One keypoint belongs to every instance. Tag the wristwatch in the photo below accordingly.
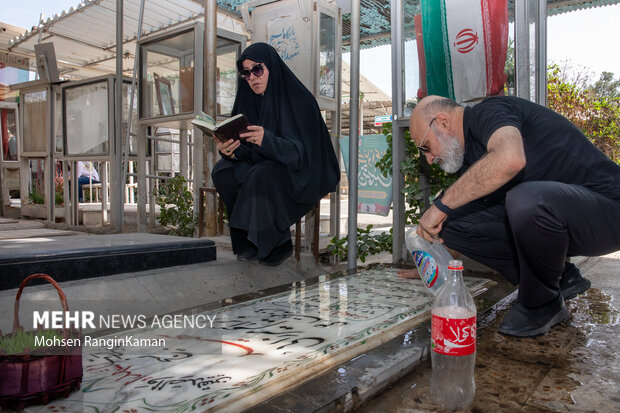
(440, 205)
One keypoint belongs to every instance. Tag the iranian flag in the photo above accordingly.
(465, 43)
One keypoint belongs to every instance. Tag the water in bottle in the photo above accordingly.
(431, 260)
(453, 343)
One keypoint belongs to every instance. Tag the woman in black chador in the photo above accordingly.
(281, 167)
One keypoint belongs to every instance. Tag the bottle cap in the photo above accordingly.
(455, 265)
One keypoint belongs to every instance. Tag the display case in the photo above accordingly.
(36, 147)
(88, 116)
(167, 73)
(41, 115)
(294, 27)
(9, 162)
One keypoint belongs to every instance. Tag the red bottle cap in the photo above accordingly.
(455, 265)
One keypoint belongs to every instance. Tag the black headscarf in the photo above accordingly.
(290, 111)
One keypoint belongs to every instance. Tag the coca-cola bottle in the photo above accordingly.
(453, 343)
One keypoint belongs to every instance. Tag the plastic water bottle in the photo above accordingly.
(453, 343)
(431, 260)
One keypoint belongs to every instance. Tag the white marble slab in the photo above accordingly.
(267, 346)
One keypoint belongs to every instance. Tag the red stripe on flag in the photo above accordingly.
(417, 21)
(495, 26)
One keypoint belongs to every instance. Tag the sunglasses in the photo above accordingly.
(421, 147)
(257, 71)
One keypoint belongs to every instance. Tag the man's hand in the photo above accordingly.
(430, 224)
(504, 159)
(254, 135)
(410, 274)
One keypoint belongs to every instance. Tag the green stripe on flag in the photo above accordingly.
(436, 48)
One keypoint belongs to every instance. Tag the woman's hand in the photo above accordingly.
(228, 147)
(254, 135)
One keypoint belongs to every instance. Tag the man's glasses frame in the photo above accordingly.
(257, 70)
(421, 147)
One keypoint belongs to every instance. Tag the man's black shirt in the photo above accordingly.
(555, 149)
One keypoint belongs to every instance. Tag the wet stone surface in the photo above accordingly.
(573, 368)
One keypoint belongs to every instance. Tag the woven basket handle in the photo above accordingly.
(63, 299)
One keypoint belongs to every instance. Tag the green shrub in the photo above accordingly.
(412, 167)
(176, 205)
(36, 197)
(367, 244)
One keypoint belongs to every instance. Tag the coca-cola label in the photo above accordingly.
(453, 336)
(427, 268)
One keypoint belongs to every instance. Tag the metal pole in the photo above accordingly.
(142, 183)
(336, 124)
(49, 186)
(210, 108)
(353, 135)
(116, 190)
(398, 142)
(130, 107)
(522, 49)
(541, 53)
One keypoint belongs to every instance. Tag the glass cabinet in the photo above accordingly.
(167, 75)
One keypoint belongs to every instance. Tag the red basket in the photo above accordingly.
(37, 377)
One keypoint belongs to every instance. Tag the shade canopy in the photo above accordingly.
(84, 36)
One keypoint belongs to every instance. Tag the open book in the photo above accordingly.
(228, 129)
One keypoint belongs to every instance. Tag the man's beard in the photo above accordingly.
(451, 158)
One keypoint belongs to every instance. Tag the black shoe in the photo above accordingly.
(521, 321)
(573, 283)
(278, 255)
(249, 254)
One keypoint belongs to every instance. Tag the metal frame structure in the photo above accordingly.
(106, 159)
(177, 121)
(45, 154)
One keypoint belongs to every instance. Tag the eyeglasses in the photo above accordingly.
(257, 71)
(421, 147)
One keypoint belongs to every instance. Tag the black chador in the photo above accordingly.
(268, 188)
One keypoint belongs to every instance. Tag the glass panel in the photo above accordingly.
(58, 120)
(86, 115)
(412, 76)
(35, 121)
(13, 69)
(9, 135)
(227, 54)
(133, 142)
(167, 151)
(36, 185)
(168, 75)
(164, 162)
(411, 58)
(327, 78)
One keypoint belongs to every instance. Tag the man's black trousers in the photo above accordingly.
(528, 238)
